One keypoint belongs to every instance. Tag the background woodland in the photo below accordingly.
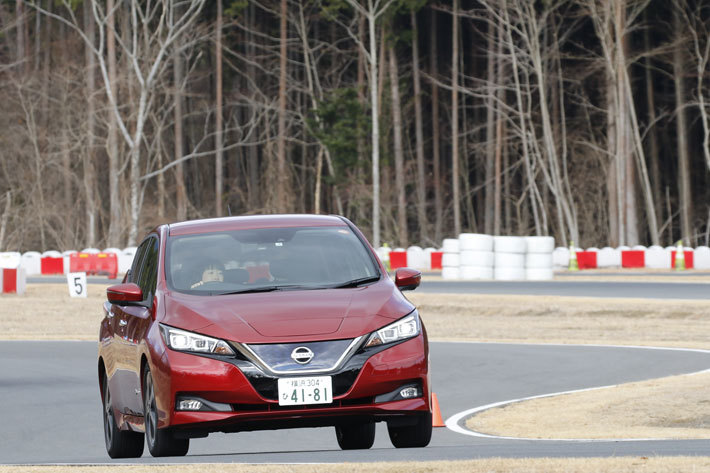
(580, 119)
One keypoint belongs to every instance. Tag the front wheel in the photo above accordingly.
(355, 436)
(119, 443)
(161, 442)
(409, 436)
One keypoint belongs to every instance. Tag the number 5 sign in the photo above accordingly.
(77, 284)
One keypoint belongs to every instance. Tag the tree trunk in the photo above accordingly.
(20, 31)
(374, 108)
(419, 134)
(455, 119)
(398, 150)
(500, 93)
(179, 147)
(5, 218)
(89, 155)
(115, 224)
(684, 194)
(653, 153)
(436, 158)
(219, 151)
(281, 193)
(491, 127)
(252, 151)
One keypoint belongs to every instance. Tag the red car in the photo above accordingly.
(263, 322)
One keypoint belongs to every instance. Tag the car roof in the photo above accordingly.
(254, 221)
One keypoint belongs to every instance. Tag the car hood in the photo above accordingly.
(290, 315)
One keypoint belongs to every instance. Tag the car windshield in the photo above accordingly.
(268, 259)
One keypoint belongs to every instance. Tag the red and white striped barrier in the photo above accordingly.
(13, 280)
(12, 276)
(654, 257)
(428, 259)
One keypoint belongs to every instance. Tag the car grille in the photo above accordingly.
(277, 357)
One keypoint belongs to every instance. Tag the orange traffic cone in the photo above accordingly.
(436, 420)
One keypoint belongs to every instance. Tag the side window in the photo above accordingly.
(149, 269)
(136, 265)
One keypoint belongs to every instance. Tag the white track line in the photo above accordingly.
(454, 422)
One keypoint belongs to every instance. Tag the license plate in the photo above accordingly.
(303, 391)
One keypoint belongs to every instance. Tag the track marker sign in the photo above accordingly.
(77, 284)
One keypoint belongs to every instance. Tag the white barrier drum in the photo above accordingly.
(608, 258)
(450, 260)
(475, 272)
(538, 261)
(91, 251)
(66, 255)
(450, 272)
(32, 263)
(509, 260)
(701, 257)
(657, 258)
(476, 258)
(509, 274)
(383, 253)
(451, 245)
(10, 259)
(417, 258)
(125, 263)
(475, 242)
(560, 257)
(509, 244)
(540, 244)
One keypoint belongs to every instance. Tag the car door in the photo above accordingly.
(121, 364)
(137, 321)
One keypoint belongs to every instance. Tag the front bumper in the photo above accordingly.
(251, 396)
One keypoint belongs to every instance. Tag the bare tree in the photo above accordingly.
(398, 149)
(372, 11)
(219, 145)
(456, 193)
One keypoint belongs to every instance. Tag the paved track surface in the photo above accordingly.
(614, 289)
(51, 411)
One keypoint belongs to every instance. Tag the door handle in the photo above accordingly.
(122, 323)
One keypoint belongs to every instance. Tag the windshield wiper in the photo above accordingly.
(356, 282)
(259, 289)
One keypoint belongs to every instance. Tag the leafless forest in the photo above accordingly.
(581, 119)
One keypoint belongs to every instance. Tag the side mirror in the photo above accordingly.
(126, 294)
(407, 279)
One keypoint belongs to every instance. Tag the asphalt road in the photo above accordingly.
(613, 289)
(51, 412)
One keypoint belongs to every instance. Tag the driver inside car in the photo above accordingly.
(213, 272)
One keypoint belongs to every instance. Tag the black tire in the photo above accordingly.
(119, 443)
(161, 442)
(359, 436)
(409, 436)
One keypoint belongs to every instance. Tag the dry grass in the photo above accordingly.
(46, 312)
(492, 465)
(676, 407)
(553, 319)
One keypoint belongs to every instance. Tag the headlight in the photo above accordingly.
(402, 329)
(181, 340)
